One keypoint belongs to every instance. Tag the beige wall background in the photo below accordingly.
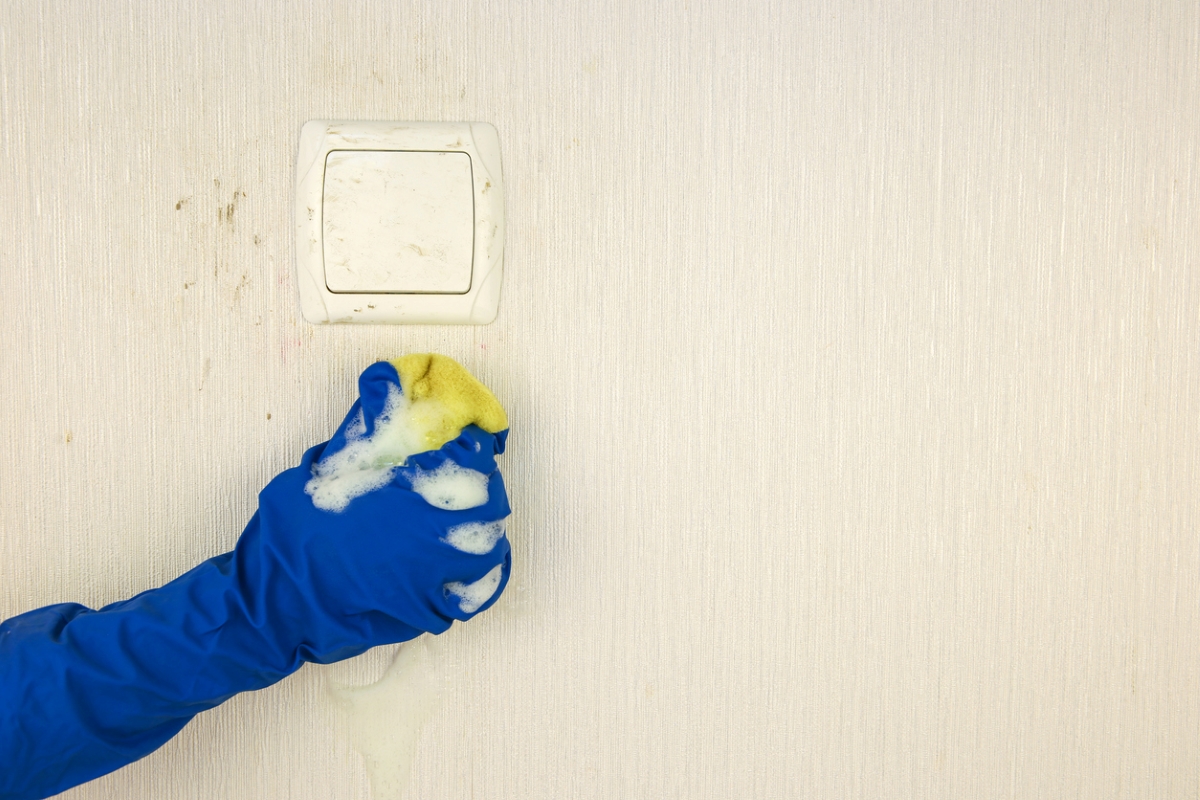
(851, 352)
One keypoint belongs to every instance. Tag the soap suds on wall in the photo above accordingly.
(384, 720)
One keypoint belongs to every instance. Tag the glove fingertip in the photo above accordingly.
(374, 386)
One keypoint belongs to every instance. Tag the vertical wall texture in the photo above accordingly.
(851, 353)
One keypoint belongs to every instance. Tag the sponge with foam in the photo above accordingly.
(466, 401)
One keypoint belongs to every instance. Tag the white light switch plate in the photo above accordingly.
(399, 222)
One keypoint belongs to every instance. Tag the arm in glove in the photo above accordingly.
(84, 692)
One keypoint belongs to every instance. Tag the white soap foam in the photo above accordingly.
(367, 463)
(385, 719)
(472, 596)
(475, 537)
(451, 487)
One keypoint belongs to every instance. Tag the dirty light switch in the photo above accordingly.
(397, 221)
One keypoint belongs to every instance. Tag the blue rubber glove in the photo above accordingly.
(85, 692)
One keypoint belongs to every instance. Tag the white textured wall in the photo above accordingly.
(852, 353)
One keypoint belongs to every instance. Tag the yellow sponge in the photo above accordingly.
(464, 400)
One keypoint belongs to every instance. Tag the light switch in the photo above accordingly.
(399, 222)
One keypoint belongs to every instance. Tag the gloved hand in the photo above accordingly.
(84, 692)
